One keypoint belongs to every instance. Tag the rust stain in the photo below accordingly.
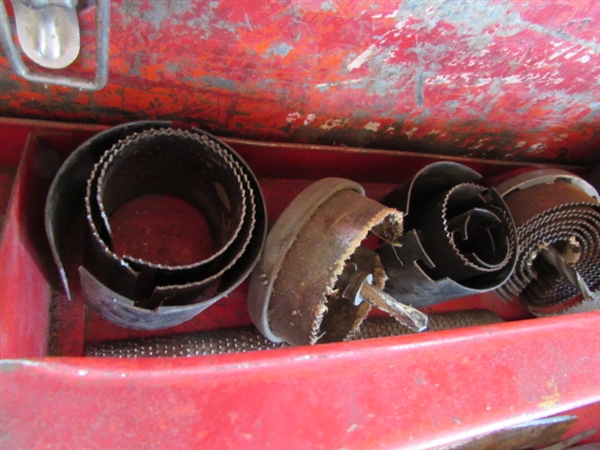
(490, 79)
(550, 400)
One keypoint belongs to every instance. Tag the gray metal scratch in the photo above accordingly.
(419, 89)
(248, 22)
(594, 46)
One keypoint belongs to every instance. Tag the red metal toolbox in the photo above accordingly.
(302, 91)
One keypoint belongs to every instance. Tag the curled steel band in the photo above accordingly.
(557, 215)
(141, 158)
(459, 237)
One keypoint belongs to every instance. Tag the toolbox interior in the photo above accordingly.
(68, 326)
(369, 91)
(40, 324)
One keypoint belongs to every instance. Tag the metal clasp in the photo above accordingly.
(48, 32)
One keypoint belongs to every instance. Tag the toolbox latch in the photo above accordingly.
(48, 33)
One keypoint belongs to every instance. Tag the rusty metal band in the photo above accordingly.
(241, 340)
(459, 237)
(554, 210)
(292, 289)
(150, 158)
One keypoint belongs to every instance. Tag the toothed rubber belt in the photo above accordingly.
(141, 158)
(553, 208)
(290, 297)
(249, 339)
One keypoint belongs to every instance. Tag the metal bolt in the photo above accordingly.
(360, 289)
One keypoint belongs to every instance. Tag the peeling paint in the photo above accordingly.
(560, 53)
(159, 12)
(173, 67)
(248, 23)
(333, 123)
(325, 86)
(292, 117)
(10, 365)
(282, 50)
(584, 59)
(372, 126)
(328, 6)
(410, 133)
(520, 73)
(220, 82)
(309, 119)
(419, 94)
(550, 400)
(536, 148)
(361, 59)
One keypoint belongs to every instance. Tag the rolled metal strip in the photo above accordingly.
(459, 237)
(293, 289)
(65, 200)
(557, 215)
(241, 340)
(180, 164)
(191, 165)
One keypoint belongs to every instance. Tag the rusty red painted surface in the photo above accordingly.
(496, 79)
(420, 392)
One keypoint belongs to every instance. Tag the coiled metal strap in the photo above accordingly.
(150, 158)
(242, 340)
(558, 224)
(459, 237)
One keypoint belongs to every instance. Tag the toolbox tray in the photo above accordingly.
(419, 390)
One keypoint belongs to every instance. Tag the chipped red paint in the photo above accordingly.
(495, 79)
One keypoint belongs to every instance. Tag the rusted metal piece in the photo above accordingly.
(569, 443)
(557, 215)
(541, 432)
(190, 165)
(240, 340)
(360, 289)
(294, 293)
(459, 238)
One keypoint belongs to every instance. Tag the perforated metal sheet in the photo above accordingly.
(249, 339)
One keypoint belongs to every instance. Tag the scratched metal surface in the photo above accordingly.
(494, 79)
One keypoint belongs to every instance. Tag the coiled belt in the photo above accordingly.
(150, 158)
(557, 215)
(459, 237)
